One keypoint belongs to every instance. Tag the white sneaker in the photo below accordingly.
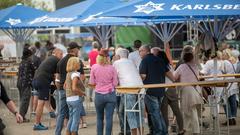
(84, 125)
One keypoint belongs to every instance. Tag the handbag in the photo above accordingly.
(206, 91)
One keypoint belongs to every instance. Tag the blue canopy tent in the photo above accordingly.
(102, 28)
(197, 9)
(82, 14)
(225, 14)
(175, 8)
(10, 17)
(77, 12)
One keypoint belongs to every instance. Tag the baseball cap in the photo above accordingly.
(73, 45)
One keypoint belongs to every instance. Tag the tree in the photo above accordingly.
(9, 3)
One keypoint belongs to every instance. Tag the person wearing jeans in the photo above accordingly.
(128, 75)
(74, 95)
(62, 111)
(154, 104)
(232, 110)
(105, 102)
(229, 67)
(73, 50)
(153, 71)
(104, 77)
(120, 112)
(74, 115)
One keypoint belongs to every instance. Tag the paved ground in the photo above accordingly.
(26, 128)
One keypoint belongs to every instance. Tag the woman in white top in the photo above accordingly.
(210, 69)
(74, 94)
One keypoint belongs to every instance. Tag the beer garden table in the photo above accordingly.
(140, 91)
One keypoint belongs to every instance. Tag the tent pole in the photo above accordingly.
(90, 30)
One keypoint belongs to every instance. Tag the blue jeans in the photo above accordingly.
(105, 102)
(62, 111)
(74, 115)
(153, 105)
(56, 97)
(82, 111)
(120, 112)
(232, 107)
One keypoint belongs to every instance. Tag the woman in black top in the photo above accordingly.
(25, 77)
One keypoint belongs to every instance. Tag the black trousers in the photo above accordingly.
(25, 96)
(2, 127)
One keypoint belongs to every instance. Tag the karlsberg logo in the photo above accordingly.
(51, 19)
(13, 21)
(151, 7)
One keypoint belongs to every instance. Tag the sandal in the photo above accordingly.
(182, 132)
(84, 125)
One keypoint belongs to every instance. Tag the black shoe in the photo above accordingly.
(121, 133)
(174, 128)
(230, 121)
(234, 122)
(205, 125)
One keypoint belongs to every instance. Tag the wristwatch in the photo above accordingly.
(15, 113)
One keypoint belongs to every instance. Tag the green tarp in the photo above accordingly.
(127, 35)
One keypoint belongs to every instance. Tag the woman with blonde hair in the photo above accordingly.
(74, 87)
(229, 67)
(104, 77)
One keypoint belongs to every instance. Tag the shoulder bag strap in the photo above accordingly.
(194, 86)
(192, 71)
(234, 70)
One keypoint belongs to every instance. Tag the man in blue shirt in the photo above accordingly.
(153, 70)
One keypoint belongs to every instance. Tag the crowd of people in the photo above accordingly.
(42, 68)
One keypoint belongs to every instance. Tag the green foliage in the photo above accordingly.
(9, 3)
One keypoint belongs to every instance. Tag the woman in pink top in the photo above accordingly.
(104, 77)
(190, 96)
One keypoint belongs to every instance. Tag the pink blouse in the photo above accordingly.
(104, 77)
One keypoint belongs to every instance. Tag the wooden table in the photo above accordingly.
(7, 61)
(10, 73)
(136, 90)
(3, 68)
(219, 76)
(212, 83)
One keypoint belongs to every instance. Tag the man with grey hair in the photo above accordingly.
(128, 76)
(153, 71)
(155, 50)
(42, 81)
